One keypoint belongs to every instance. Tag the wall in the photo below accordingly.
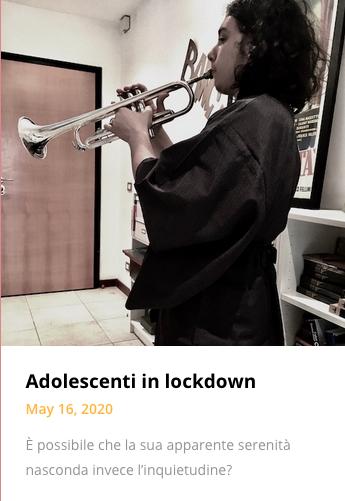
(48, 34)
(154, 50)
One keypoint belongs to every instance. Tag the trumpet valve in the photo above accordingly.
(140, 104)
(123, 95)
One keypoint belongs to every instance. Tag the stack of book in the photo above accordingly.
(323, 276)
(319, 332)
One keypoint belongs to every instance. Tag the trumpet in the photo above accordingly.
(35, 137)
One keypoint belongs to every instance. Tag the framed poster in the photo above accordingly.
(313, 124)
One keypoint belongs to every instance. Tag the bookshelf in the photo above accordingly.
(307, 231)
(312, 306)
(144, 336)
(326, 217)
(136, 256)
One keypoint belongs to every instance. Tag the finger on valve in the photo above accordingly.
(135, 90)
(126, 93)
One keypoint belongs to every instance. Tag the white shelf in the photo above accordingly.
(142, 333)
(312, 306)
(328, 217)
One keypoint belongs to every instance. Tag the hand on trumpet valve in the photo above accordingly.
(156, 104)
(129, 125)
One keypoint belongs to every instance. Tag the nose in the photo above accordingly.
(211, 56)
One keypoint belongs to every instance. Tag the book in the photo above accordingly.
(316, 280)
(315, 331)
(314, 295)
(330, 261)
(312, 331)
(335, 336)
(318, 328)
(310, 285)
(326, 273)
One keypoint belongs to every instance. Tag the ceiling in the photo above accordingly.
(106, 10)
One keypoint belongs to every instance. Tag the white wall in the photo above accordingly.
(43, 33)
(154, 50)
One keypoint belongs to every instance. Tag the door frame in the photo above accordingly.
(97, 70)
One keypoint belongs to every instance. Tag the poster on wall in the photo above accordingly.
(313, 124)
(195, 65)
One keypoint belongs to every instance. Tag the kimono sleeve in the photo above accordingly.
(202, 192)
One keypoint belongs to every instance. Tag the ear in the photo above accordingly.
(247, 46)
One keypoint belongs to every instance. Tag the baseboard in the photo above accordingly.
(123, 288)
(114, 282)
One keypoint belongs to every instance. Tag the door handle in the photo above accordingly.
(3, 187)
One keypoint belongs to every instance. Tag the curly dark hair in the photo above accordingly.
(285, 58)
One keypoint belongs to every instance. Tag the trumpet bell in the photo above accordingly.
(31, 139)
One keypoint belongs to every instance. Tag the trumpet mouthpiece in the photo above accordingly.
(206, 76)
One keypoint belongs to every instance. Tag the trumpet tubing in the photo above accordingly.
(35, 137)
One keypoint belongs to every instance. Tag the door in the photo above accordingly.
(48, 210)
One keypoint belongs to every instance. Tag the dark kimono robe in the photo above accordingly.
(212, 205)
